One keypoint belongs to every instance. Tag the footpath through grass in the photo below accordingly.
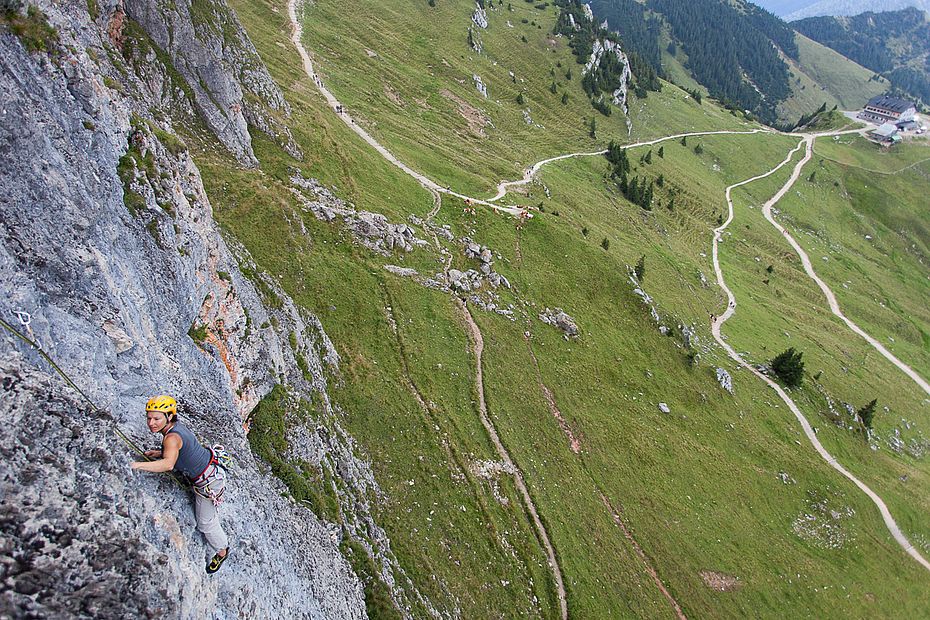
(724, 484)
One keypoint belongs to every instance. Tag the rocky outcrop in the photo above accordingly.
(562, 320)
(107, 241)
(725, 380)
(600, 48)
(373, 230)
(480, 86)
(220, 66)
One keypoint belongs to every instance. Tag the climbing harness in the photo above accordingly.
(220, 461)
(203, 489)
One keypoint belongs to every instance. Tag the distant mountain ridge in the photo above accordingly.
(845, 7)
(895, 44)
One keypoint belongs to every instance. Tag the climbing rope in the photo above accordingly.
(25, 319)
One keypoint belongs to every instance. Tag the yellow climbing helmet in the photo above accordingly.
(164, 404)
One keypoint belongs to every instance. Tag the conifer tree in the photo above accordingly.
(867, 413)
(789, 367)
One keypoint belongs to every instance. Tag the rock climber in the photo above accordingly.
(181, 452)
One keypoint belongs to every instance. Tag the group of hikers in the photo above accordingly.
(181, 452)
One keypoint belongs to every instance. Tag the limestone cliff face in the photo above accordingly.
(107, 241)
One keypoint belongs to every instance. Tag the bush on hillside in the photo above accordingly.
(789, 367)
(867, 413)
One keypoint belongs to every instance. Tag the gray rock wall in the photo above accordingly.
(112, 294)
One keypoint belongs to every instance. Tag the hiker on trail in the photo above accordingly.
(181, 452)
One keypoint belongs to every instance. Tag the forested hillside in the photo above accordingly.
(895, 44)
(733, 49)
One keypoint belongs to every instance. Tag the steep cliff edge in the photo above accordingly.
(107, 241)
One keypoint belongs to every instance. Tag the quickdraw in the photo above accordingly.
(221, 456)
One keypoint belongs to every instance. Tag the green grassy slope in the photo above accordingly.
(416, 94)
(821, 75)
(841, 77)
(699, 488)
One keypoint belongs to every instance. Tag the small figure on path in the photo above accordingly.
(181, 452)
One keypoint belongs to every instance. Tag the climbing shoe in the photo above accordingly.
(216, 562)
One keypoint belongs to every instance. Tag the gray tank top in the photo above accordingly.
(193, 458)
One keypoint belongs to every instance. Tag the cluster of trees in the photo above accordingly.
(638, 190)
(638, 29)
(788, 366)
(886, 43)
(725, 43)
(606, 76)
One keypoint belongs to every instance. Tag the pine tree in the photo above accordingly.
(564, 98)
(640, 268)
(698, 149)
(662, 152)
(605, 243)
(592, 128)
(648, 157)
(553, 88)
(647, 198)
(684, 140)
(867, 413)
(789, 367)
(521, 99)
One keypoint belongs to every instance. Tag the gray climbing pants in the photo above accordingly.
(207, 512)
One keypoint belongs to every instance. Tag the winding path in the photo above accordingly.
(297, 32)
(478, 343)
(530, 172)
(436, 190)
(809, 268)
(805, 143)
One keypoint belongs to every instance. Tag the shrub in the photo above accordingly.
(789, 367)
(32, 30)
(867, 413)
(640, 269)
(605, 243)
(198, 334)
